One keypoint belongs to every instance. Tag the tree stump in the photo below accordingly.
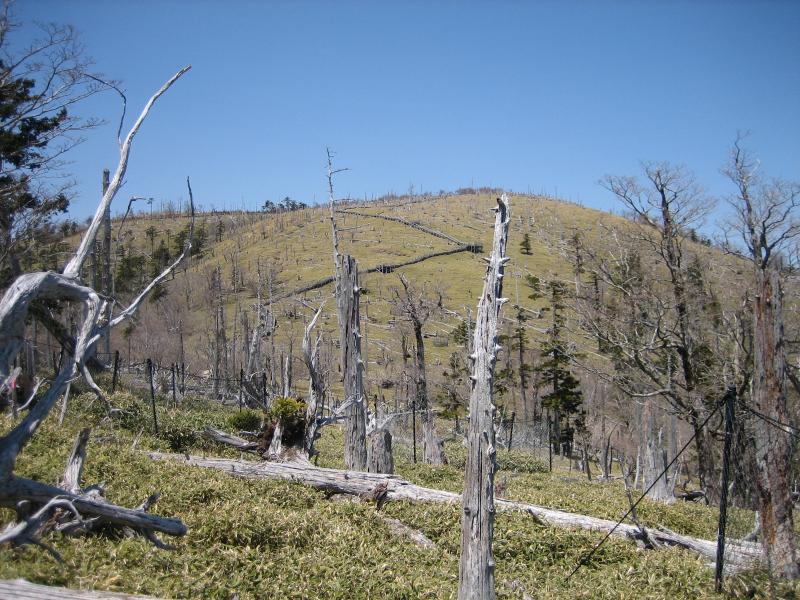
(379, 452)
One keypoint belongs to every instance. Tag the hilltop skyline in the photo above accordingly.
(544, 98)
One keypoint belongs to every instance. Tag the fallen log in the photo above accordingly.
(229, 439)
(738, 555)
(25, 590)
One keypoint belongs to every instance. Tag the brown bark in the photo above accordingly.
(772, 444)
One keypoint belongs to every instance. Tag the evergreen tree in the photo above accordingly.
(525, 245)
(565, 397)
(38, 83)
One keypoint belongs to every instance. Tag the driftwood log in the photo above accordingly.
(222, 437)
(354, 483)
(476, 569)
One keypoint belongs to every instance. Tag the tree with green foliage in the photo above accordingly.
(525, 244)
(130, 270)
(198, 240)
(565, 397)
(519, 343)
(38, 83)
(151, 233)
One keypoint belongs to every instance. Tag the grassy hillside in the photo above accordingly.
(296, 248)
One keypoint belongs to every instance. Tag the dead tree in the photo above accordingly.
(316, 385)
(379, 451)
(347, 304)
(654, 308)
(417, 308)
(768, 224)
(476, 569)
(334, 481)
(38, 499)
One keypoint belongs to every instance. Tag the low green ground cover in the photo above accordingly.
(265, 539)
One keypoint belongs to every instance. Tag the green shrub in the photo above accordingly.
(245, 420)
(178, 436)
(520, 462)
(286, 408)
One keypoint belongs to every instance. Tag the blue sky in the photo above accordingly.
(540, 96)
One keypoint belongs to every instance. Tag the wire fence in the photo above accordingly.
(733, 451)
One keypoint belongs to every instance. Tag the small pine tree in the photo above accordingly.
(525, 245)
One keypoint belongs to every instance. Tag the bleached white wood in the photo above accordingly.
(476, 567)
(356, 483)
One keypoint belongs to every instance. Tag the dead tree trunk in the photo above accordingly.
(108, 287)
(653, 459)
(476, 569)
(772, 444)
(347, 305)
(379, 452)
(347, 300)
(417, 309)
(432, 448)
(316, 386)
(14, 309)
(333, 481)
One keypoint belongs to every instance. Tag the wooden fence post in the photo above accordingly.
(414, 428)
(241, 380)
(723, 501)
(152, 395)
(116, 372)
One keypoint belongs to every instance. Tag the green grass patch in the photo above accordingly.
(268, 539)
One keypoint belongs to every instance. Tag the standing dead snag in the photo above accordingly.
(773, 446)
(347, 301)
(316, 386)
(767, 215)
(379, 451)
(418, 308)
(476, 569)
(347, 305)
(17, 491)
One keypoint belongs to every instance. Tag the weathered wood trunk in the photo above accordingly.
(476, 569)
(706, 448)
(653, 460)
(336, 481)
(66, 287)
(24, 590)
(772, 444)
(432, 448)
(379, 452)
(108, 285)
(347, 301)
(316, 386)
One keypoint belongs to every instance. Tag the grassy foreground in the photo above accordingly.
(278, 539)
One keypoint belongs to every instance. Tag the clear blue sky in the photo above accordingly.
(546, 96)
